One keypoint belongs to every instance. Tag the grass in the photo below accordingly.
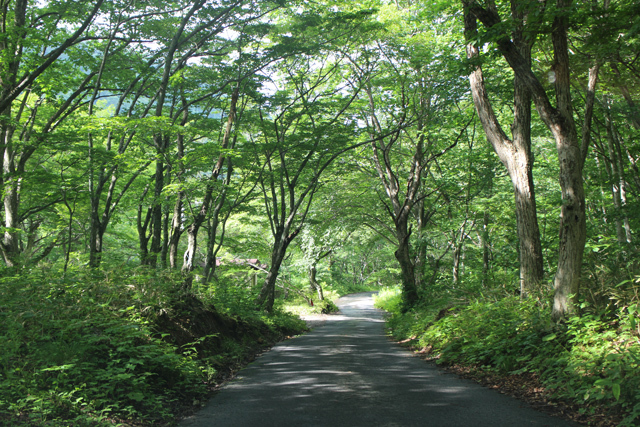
(119, 347)
(592, 361)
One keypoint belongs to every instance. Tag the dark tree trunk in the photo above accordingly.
(156, 206)
(267, 295)
(486, 248)
(406, 261)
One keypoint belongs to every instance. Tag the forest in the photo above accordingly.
(181, 179)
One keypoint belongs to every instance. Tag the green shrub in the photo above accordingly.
(72, 352)
(389, 299)
(592, 360)
(88, 349)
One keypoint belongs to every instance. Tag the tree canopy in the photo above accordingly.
(460, 150)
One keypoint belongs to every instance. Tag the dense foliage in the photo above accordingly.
(590, 361)
(91, 348)
(230, 159)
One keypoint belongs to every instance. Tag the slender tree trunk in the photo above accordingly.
(143, 228)
(192, 230)
(10, 245)
(164, 252)
(617, 180)
(209, 269)
(420, 260)
(95, 242)
(10, 187)
(267, 295)
(486, 248)
(156, 211)
(176, 230)
(313, 282)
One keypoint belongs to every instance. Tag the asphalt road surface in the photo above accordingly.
(347, 373)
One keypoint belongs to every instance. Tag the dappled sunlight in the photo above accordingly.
(347, 372)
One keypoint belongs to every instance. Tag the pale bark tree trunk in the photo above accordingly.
(313, 282)
(200, 217)
(175, 229)
(161, 140)
(312, 272)
(214, 241)
(514, 153)
(571, 154)
(617, 179)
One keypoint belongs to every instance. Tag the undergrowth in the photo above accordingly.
(300, 306)
(105, 347)
(592, 360)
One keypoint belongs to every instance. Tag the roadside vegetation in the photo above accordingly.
(589, 366)
(122, 347)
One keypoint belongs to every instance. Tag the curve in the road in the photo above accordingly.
(347, 373)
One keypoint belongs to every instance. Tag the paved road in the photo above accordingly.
(347, 373)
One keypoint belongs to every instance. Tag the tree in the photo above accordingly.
(403, 116)
(30, 43)
(302, 133)
(571, 153)
(515, 153)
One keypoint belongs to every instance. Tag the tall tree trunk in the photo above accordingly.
(200, 217)
(176, 230)
(514, 153)
(617, 180)
(573, 225)
(486, 248)
(143, 228)
(213, 245)
(10, 247)
(400, 209)
(10, 187)
(571, 154)
(156, 207)
(420, 259)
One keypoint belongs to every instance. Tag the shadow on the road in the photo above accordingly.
(347, 373)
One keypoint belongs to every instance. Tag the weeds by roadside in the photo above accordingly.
(117, 346)
(591, 362)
